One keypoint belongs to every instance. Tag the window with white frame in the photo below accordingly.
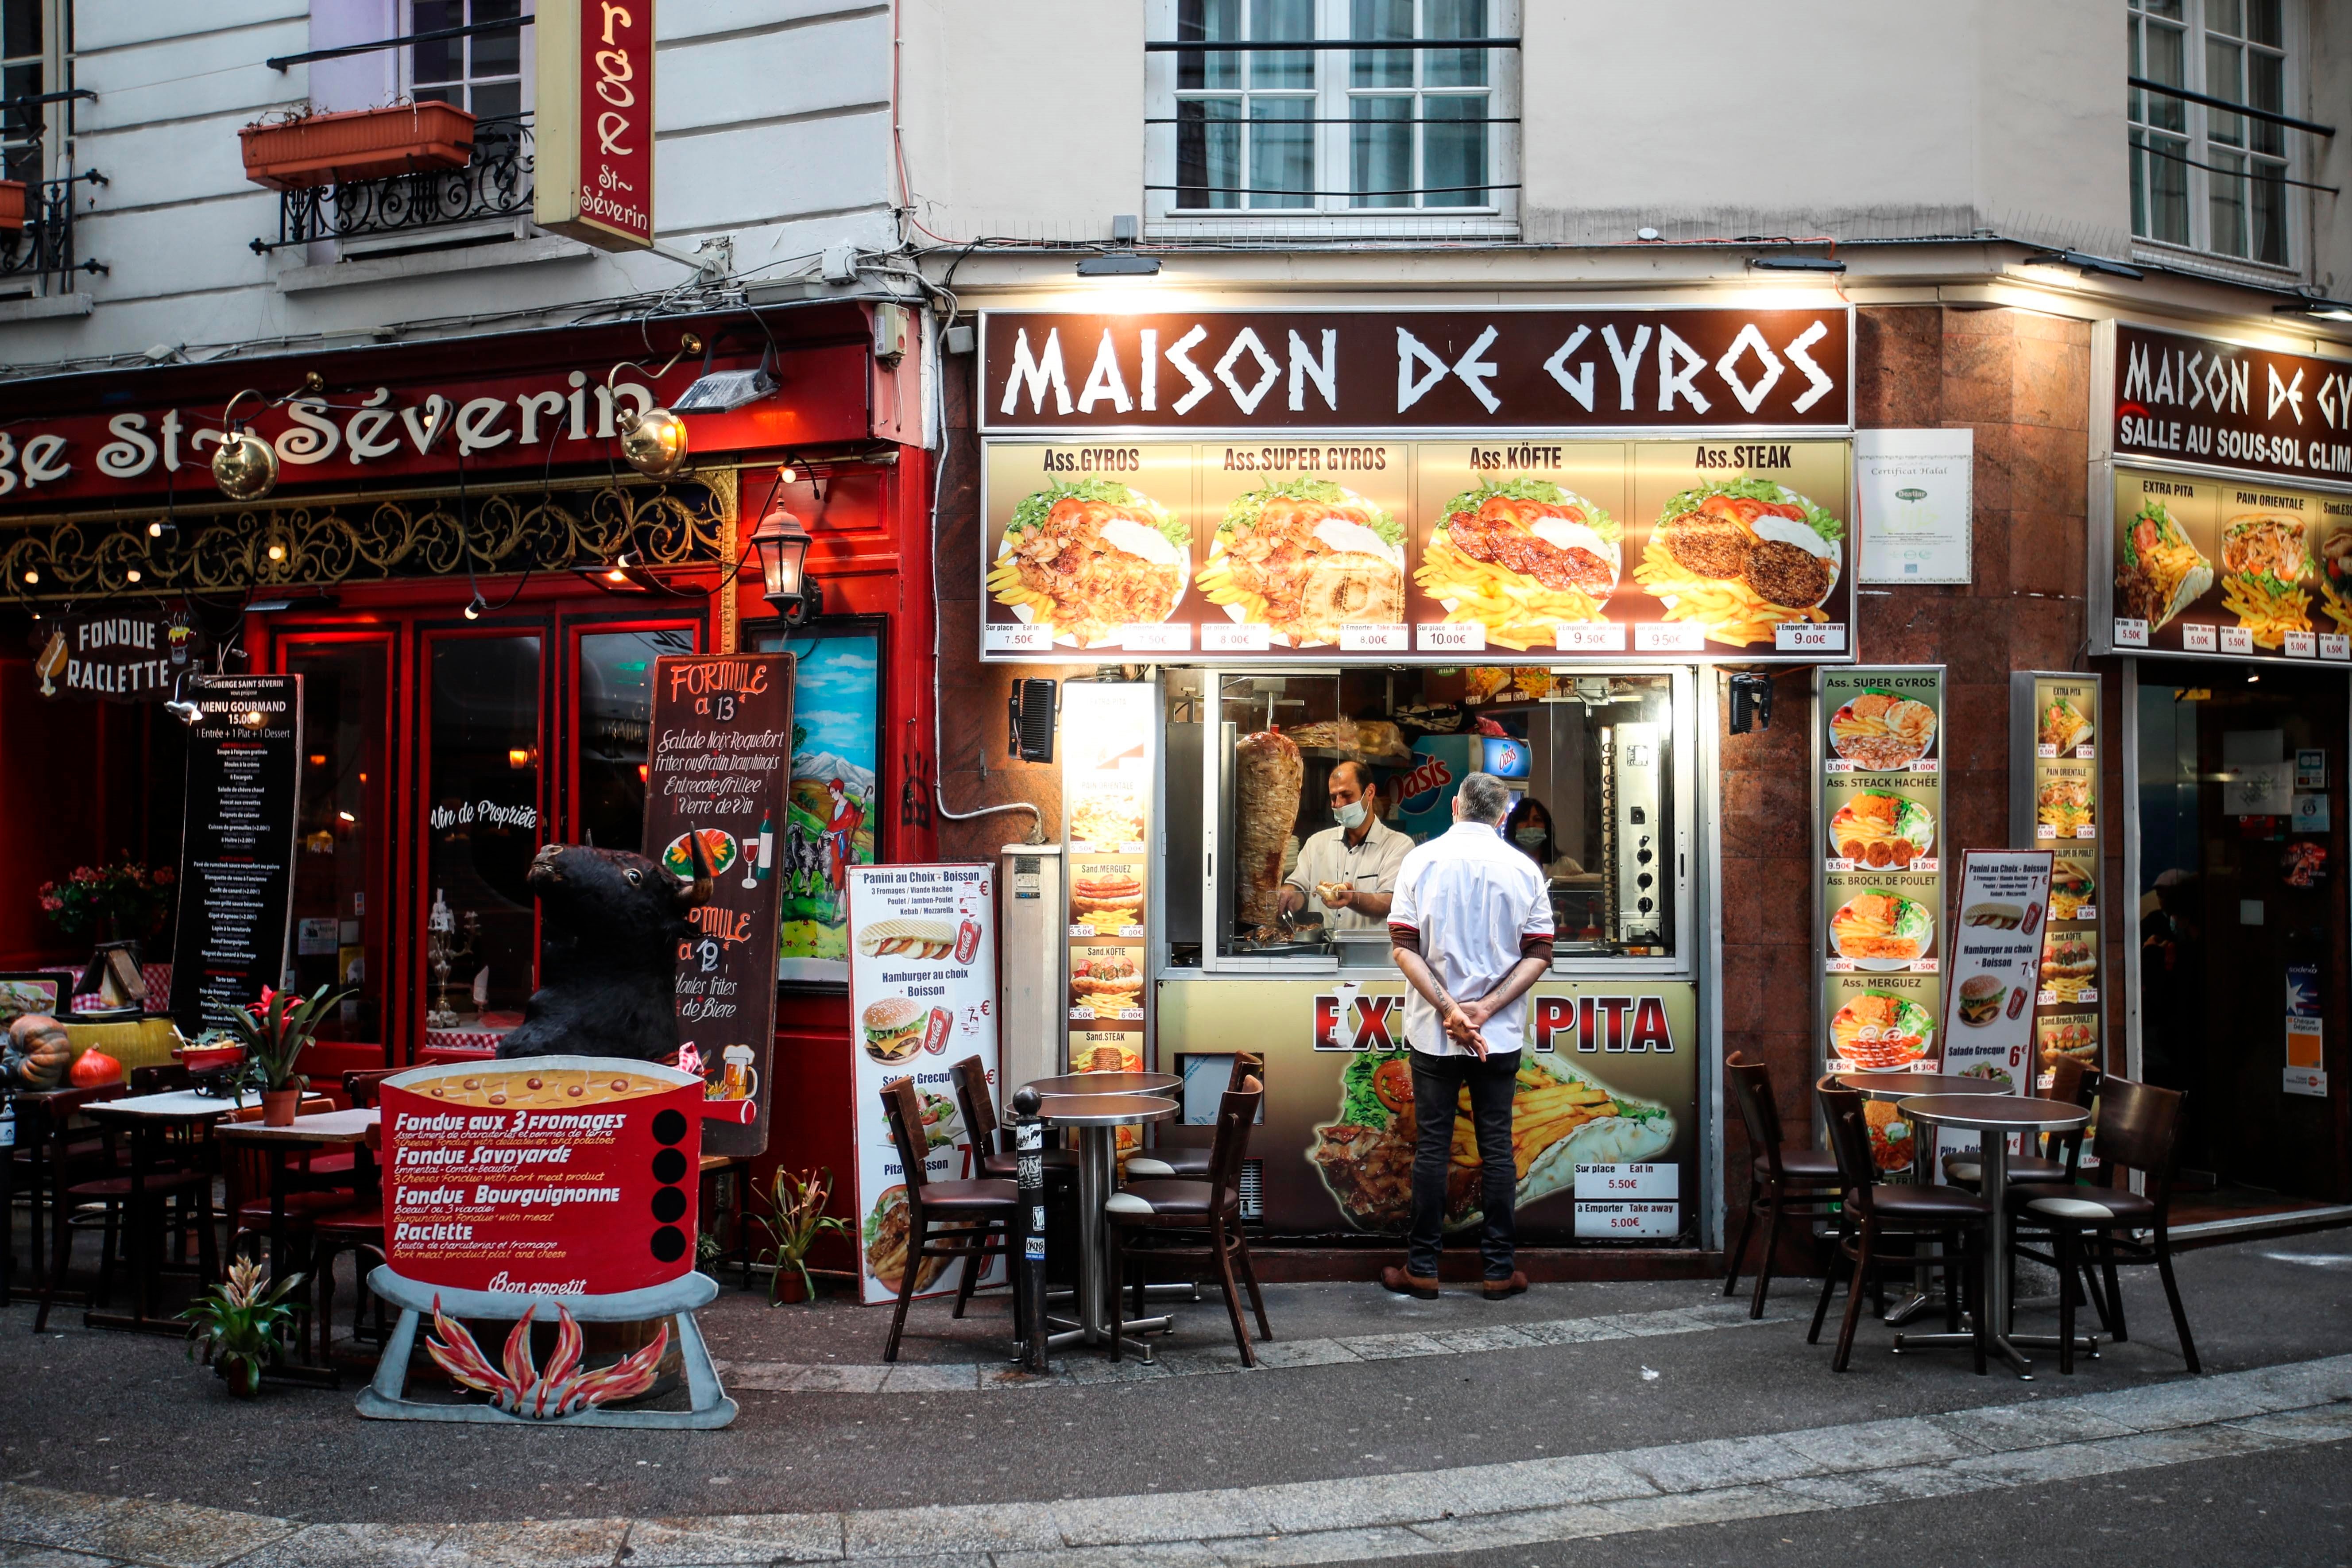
(482, 71)
(32, 49)
(1310, 129)
(2204, 176)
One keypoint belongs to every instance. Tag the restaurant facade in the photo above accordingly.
(1818, 597)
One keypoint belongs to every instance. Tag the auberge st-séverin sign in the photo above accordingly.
(2185, 399)
(1548, 370)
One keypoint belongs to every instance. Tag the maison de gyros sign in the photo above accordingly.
(594, 121)
(2201, 400)
(1484, 370)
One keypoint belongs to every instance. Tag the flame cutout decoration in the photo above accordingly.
(521, 1389)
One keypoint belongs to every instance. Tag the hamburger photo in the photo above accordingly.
(894, 1029)
(1980, 997)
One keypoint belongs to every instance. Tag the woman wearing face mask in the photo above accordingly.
(1529, 827)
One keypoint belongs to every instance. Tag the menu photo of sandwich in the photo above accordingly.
(907, 938)
(2074, 891)
(2061, 729)
(2070, 966)
(1304, 558)
(1107, 897)
(2336, 575)
(2074, 1034)
(2063, 808)
(1520, 557)
(1742, 557)
(2158, 571)
(1089, 558)
(1980, 999)
(2264, 564)
(1105, 983)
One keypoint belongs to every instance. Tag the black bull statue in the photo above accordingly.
(609, 963)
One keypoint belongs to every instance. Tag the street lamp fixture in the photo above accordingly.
(654, 442)
(782, 546)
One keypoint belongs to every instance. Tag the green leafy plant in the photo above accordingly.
(239, 1324)
(795, 1220)
(275, 1030)
(125, 898)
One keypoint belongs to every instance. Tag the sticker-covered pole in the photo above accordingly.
(1029, 1174)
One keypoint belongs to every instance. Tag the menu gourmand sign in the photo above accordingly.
(236, 851)
(721, 764)
(2252, 567)
(923, 986)
(1116, 517)
(542, 1176)
(1880, 749)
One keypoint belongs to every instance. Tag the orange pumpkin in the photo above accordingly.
(94, 1069)
(38, 1054)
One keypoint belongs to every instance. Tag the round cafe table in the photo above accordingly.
(1107, 1083)
(1995, 1117)
(1900, 1086)
(1099, 1118)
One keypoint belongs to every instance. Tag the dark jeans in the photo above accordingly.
(1437, 1084)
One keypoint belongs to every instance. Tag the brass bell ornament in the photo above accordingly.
(653, 442)
(245, 467)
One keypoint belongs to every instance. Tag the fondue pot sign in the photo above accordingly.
(562, 1177)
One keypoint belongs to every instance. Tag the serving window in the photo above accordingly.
(1595, 761)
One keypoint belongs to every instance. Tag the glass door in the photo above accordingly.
(341, 915)
(610, 708)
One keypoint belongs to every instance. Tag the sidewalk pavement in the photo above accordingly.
(1451, 1430)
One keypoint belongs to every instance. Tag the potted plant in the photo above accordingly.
(275, 1030)
(795, 1220)
(305, 149)
(12, 204)
(239, 1324)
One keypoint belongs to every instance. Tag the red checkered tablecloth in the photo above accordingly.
(158, 977)
(464, 1042)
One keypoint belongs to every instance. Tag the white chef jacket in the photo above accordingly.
(1371, 867)
(1471, 897)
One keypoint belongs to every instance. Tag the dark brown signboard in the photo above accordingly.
(237, 851)
(2183, 399)
(132, 653)
(721, 768)
(1489, 369)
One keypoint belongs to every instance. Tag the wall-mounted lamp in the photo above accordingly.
(2315, 309)
(654, 442)
(246, 466)
(1119, 264)
(2089, 265)
(783, 546)
(1780, 261)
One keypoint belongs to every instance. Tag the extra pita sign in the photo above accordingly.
(1487, 370)
(594, 116)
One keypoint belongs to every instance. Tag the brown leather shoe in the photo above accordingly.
(1499, 1290)
(1418, 1287)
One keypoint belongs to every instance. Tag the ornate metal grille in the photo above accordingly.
(318, 542)
(44, 247)
(496, 183)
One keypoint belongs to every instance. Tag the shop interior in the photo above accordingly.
(2238, 893)
(1589, 758)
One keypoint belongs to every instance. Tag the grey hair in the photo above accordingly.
(1484, 798)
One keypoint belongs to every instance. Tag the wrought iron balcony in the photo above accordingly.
(495, 184)
(43, 250)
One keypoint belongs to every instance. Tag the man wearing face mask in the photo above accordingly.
(1349, 870)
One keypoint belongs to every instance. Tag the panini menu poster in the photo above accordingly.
(1996, 951)
(1332, 549)
(2055, 804)
(922, 989)
(2239, 568)
(236, 851)
(720, 770)
(1880, 905)
(1108, 733)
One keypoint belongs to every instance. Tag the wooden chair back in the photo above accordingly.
(904, 1113)
(977, 1102)
(2139, 1125)
(1751, 1086)
(1247, 1065)
(1237, 1113)
(1850, 1143)
(359, 1086)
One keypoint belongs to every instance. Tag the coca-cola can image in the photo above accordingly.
(967, 940)
(936, 1032)
(2017, 1001)
(2033, 918)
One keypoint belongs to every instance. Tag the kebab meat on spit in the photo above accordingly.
(1270, 778)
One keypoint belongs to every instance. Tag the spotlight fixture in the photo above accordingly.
(185, 712)
(725, 391)
(654, 442)
(783, 544)
(2087, 265)
(1119, 264)
(1780, 262)
(2316, 308)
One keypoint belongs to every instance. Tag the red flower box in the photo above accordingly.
(11, 204)
(357, 145)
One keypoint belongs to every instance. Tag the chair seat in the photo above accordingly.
(2096, 1207)
(117, 1189)
(1188, 1164)
(1927, 1206)
(359, 1222)
(300, 1208)
(946, 1199)
(1809, 1164)
(1160, 1196)
(1008, 1166)
(1967, 1170)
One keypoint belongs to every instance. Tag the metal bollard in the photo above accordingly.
(1029, 1179)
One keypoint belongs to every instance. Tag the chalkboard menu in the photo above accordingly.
(720, 771)
(237, 854)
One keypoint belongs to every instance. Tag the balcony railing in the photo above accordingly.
(495, 184)
(43, 250)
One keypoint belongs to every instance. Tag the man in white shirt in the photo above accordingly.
(1349, 870)
(1471, 925)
